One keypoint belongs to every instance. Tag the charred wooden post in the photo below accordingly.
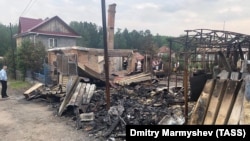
(248, 53)
(169, 73)
(106, 59)
(185, 83)
(240, 51)
(176, 79)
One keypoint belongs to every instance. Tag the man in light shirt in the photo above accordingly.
(4, 78)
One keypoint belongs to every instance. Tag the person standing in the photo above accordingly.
(125, 63)
(139, 66)
(154, 64)
(4, 78)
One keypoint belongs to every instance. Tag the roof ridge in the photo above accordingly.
(30, 24)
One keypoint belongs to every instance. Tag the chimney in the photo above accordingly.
(111, 25)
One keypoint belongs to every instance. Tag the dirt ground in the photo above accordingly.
(22, 120)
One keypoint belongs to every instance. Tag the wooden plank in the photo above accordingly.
(234, 118)
(223, 74)
(80, 95)
(71, 85)
(85, 95)
(245, 115)
(31, 90)
(91, 72)
(63, 79)
(137, 80)
(246, 111)
(215, 101)
(84, 104)
(130, 78)
(74, 96)
(200, 108)
(234, 76)
(227, 102)
(242, 114)
(91, 92)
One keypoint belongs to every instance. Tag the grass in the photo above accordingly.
(17, 84)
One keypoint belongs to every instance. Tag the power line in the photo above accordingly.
(31, 5)
(26, 7)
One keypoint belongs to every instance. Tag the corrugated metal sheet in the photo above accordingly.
(127, 80)
(82, 94)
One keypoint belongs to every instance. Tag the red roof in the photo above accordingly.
(27, 25)
(164, 49)
(138, 56)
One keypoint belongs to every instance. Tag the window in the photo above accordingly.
(52, 42)
(32, 39)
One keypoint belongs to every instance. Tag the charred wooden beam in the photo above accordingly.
(224, 61)
(234, 118)
(215, 102)
(112, 127)
(200, 109)
(227, 102)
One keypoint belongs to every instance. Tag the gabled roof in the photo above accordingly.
(29, 25)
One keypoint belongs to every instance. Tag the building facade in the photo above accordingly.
(52, 32)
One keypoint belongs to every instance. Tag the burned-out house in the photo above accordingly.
(201, 100)
(89, 62)
(52, 32)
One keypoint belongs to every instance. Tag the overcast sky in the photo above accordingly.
(165, 17)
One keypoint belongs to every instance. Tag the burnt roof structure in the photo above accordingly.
(219, 39)
(213, 38)
(230, 44)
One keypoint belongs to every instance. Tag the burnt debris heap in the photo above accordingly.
(215, 70)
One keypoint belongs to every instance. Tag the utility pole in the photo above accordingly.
(185, 83)
(169, 65)
(13, 53)
(106, 58)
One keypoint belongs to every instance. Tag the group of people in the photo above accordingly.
(157, 64)
(4, 78)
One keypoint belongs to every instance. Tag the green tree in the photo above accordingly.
(9, 60)
(89, 32)
(92, 36)
(161, 40)
(31, 57)
(5, 38)
(136, 39)
(7, 47)
(120, 42)
(100, 38)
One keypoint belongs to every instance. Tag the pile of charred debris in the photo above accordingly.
(144, 103)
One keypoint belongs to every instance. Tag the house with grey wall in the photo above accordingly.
(52, 32)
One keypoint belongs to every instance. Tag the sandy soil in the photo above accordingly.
(22, 120)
